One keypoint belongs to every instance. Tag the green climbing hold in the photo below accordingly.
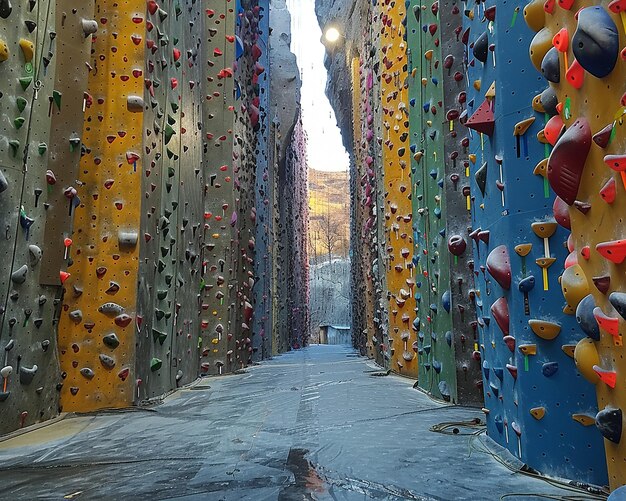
(155, 364)
(25, 82)
(42, 148)
(21, 103)
(15, 146)
(169, 132)
(171, 172)
(56, 97)
(18, 122)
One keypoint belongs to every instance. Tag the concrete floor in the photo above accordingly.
(313, 424)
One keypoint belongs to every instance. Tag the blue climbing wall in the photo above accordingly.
(535, 399)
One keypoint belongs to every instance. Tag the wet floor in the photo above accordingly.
(310, 425)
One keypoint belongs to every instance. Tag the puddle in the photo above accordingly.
(307, 483)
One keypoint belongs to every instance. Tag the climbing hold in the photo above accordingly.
(500, 311)
(609, 422)
(551, 66)
(567, 161)
(87, 373)
(544, 329)
(574, 285)
(481, 178)
(586, 358)
(27, 374)
(457, 245)
(596, 41)
(584, 419)
(28, 49)
(585, 318)
(549, 369)
(107, 361)
(538, 412)
(499, 266)
(482, 120)
(481, 47)
(155, 364)
(614, 251)
(19, 275)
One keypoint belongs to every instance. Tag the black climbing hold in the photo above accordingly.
(596, 41)
(551, 66)
(4, 184)
(5, 8)
(586, 319)
(481, 178)
(549, 101)
(618, 300)
(609, 422)
(481, 47)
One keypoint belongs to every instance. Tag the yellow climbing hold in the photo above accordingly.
(491, 92)
(4, 51)
(584, 419)
(28, 49)
(538, 412)
(545, 330)
(585, 357)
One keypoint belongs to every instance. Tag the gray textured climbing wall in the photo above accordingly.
(290, 200)
(262, 346)
(30, 367)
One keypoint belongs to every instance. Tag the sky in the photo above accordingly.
(325, 149)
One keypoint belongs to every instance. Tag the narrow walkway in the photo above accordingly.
(313, 424)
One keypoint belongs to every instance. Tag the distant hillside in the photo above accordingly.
(329, 205)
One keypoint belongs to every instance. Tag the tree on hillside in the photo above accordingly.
(331, 235)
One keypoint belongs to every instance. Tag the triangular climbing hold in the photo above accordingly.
(482, 120)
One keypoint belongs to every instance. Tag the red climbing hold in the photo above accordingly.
(567, 161)
(614, 251)
(608, 377)
(482, 120)
(500, 312)
(608, 324)
(554, 129)
(608, 191)
(499, 266)
(575, 75)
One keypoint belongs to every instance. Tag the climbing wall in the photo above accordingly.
(244, 168)
(30, 367)
(457, 300)
(397, 188)
(437, 373)
(536, 402)
(262, 288)
(367, 328)
(167, 324)
(100, 295)
(577, 50)
(217, 318)
(289, 189)
(190, 195)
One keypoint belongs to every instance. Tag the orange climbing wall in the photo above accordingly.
(397, 186)
(594, 218)
(100, 296)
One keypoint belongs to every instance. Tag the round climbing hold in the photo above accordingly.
(596, 41)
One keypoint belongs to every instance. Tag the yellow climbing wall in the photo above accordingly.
(594, 219)
(397, 186)
(100, 296)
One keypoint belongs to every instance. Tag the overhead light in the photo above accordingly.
(332, 35)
